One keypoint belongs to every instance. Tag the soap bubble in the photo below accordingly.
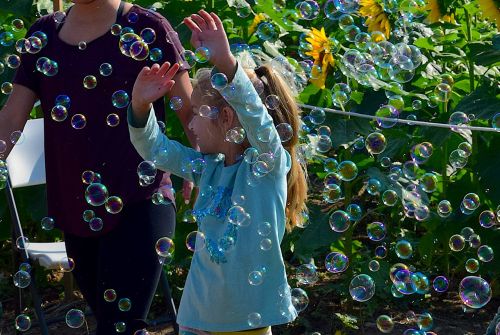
(471, 201)
(96, 224)
(403, 249)
(339, 221)
(124, 304)
(443, 92)
(110, 295)
(428, 182)
(219, 81)
(472, 265)
(75, 318)
(376, 231)
(254, 320)
(485, 253)
(47, 223)
(390, 198)
(403, 282)
(308, 10)
(332, 193)
(238, 216)
(22, 279)
(487, 219)
(385, 324)
(346, 6)
(458, 119)
(89, 82)
(66, 264)
(475, 241)
(96, 194)
(336, 262)
(306, 274)
(373, 186)
(59, 113)
(300, 300)
(424, 321)
(285, 132)
(255, 278)
(374, 265)
(375, 143)
(22, 322)
(458, 158)
(317, 116)
(195, 241)
(362, 288)
(381, 251)
(114, 205)
(348, 170)
(120, 99)
(456, 243)
(120, 327)
(355, 212)
(165, 247)
(146, 170)
(421, 152)
(440, 284)
(475, 292)
(267, 31)
(444, 208)
(387, 111)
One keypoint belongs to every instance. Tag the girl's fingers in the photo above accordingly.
(199, 21)
(217, 21)
(208, 19)
(168, 85)
(163, 69)
(145, 71)
(192, 25)
(172, 71)
(155, 68)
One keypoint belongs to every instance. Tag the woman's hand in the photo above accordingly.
(150, 85)
(207, 31)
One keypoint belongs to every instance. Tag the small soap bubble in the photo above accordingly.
(165, 247)
(59, 113)
(124, 304)
(267, 31)
(132, 17)
(362, 288)
(272, 101)
(195, 240)
(255, 278)
(110, 295)
(264, 229)
(300, 300)
(75, 318)
(202, 55)
(6, 88)
(96, 194)
(89, 82)
(471, 201)
(219, 81)
(146, 170)
(487, 219)
(116, 29)
(47, 223)
(139, 50)
(485, 253)
(374, 265)
(385, 324)
(376, 231)
(404, 249)
(387, 111)
(254, 320)
(306, 274)
(105, 69)
(339, 221)
(472, 265)
(13, 61)
(96, 224)
(22, 242)
(22, 322)
(440, 284)
(424, 321)
(22, 279)
(348, 170)
(355, 212)
(456, 243)
(120, 327)
(176, 103)
(428, 182)
(66, 264)
(120, 99)
(390, 198)
(114, 205)
(148, 35)
(112, 120)
(375, 143)
(88, 215)
(475, 292)
(266, 244)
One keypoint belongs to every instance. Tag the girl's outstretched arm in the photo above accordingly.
(151, 84)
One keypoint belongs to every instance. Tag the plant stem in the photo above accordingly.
(469, 57)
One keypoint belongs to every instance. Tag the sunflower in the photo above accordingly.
(321, 52)
(256, 21)
(437, 9)
(377, 19)
(491, 9)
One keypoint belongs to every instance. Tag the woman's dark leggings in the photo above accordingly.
(124, 260)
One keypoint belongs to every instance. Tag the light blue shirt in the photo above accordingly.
(222, 291)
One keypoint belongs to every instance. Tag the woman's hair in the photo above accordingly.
(287, 112)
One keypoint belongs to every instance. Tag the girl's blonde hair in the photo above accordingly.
(286, 112)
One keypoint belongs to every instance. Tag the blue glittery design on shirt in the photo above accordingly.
(218, 206)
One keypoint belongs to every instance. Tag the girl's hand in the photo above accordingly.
(207, 31)
(150, 85)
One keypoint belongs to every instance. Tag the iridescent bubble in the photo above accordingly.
(380, 251)
(336, 262)
(402, 70)
(254, 320)
(345, 20)
(13, 61)
(48, 67)
(47, 223)
(485, 253)
(17, 137)
(202, 55)
(425, 322)
(324, 143)
(272, 101)
(456, 242)
(148, 35)
(390, 198)
(355, 212)
(306, 274)
(23, 267)
(348, 170)
(114, 205)
(146, 170)
(120, 99)
(421, 153)
(387, 111)
(59, 113)
(443, 92)
(176, 103)
(285, 131)
(467, 233)
(332, 193)
(330, 164)
(120, 327)
(190, 57)
(318, 116)
(385, 324)
(75, 318)
(105, 69)
(155, 54)
(22, 322)
(88, 215)
(132, 17)
(475, 292)
(124, 304)
(116, 29)
(88, 177)
(127, 39)
(22, 279)
(471, 201)
(210, 112)
(219, 81)
(112, 120)
(300, 300)
(266, 244)
(110, 295)
(164, 247)
(195, 241)
(362, 288)
(444, 208)
(416, 105)
(403, 249)
(374, 265)
(96, 224)
(238, 216)
(6, 88)
(428, 182)
(139, 50)
(495, 121)
(403, 282)
(96, 194)
(458, 158)
(89, 82)
(243, 9)
(22, 46)
(374, 186)
(339, 221)
(308, 10)
(421, 282)
(235, 135)
(421, 213)
(267, 31)
(487, 219)
(376, 231)
(472, 265)
(458, 119)
(375, 143)
(440, 284)
(66, 264)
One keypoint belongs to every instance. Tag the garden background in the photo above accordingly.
(386, 199)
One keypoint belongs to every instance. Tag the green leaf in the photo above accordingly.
(424, 43)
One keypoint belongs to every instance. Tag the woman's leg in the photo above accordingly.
(128, 263)
(84, 252)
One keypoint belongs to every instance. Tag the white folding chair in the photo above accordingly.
(26, 166)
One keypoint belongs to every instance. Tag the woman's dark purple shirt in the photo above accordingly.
(97, 147)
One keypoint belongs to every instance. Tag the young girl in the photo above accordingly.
(250, 191)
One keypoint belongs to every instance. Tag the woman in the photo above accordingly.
(83, 77)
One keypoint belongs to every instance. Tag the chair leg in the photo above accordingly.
(171, 310)
(68, 281)
(37, 303)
